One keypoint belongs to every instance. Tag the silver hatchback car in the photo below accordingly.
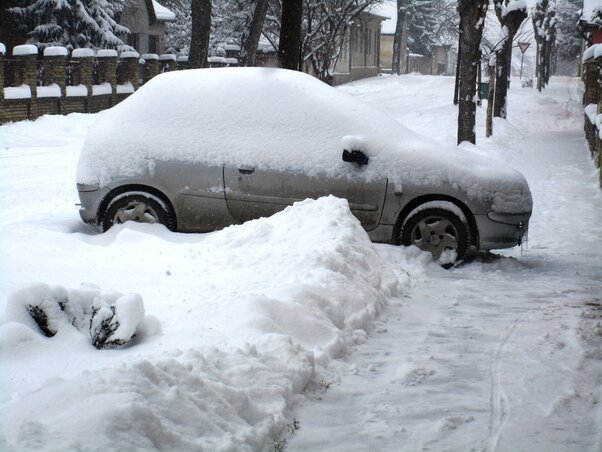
(203, 149)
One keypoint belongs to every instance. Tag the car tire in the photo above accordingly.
(438, 231)
(137, 206)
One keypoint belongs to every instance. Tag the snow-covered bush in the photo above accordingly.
(108, 318)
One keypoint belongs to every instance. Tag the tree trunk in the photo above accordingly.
(400, 40)
(502, 79)
(490, 100)
(200, 11)
(250, 38)
(472, 14)
(511, 22)
(289, 50)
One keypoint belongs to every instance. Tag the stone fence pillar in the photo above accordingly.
(592, 88)
(55, 62)
(167, 62)
(26, 66)
(129, 68)
(151, 66)
(85, 73)
(2, 53)
(182, 62)
(107, 67)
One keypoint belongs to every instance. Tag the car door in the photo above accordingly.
(253, 193)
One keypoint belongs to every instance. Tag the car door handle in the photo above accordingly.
(246, 170)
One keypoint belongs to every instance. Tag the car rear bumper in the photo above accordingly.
(498, 231)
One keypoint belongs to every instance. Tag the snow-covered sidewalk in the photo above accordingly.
(503, 353)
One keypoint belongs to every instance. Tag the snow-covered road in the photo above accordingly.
(503, 353)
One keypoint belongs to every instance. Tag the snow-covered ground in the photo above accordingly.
(295, 331)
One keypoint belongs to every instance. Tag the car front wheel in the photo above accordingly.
(437, 231)
(139, 207)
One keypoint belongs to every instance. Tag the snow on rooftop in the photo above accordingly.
(162, 13)
(387, 9)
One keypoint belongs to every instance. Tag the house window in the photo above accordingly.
(153, 44)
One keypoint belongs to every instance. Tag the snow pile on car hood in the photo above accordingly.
(249, 317)
(272, 119)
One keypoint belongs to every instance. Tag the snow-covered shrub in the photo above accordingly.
(39, 305)
(108, 318)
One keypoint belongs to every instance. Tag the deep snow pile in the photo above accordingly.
(249, 317)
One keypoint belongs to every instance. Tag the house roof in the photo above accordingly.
(388, 11)
(162, 13)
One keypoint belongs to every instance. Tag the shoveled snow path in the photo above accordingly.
(503, 353)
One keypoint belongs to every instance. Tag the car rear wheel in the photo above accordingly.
(139, 207)
(438, 231)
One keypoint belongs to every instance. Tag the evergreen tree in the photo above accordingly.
(71, 23)
(422, 25)
(568, 41)
(177, 32)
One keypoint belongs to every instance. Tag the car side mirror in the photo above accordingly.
(355, 157)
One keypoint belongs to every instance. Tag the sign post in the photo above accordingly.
(523, 46)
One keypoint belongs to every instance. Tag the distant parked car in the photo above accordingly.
(199, 150)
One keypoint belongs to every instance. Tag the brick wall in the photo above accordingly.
(54, 81)
(592, 100)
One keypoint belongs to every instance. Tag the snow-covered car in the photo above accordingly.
(199, 150)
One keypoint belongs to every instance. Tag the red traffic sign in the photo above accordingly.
(524, 46)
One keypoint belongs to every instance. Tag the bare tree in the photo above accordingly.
(326, 25)
(472, 18)
(289, 48)
(544, 25)
(200, 11)
(510, 21)
(400, 40)
(252, 32)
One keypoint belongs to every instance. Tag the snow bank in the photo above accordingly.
(286, 121)
(249, 317)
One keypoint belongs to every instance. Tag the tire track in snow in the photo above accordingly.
(500, 409)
